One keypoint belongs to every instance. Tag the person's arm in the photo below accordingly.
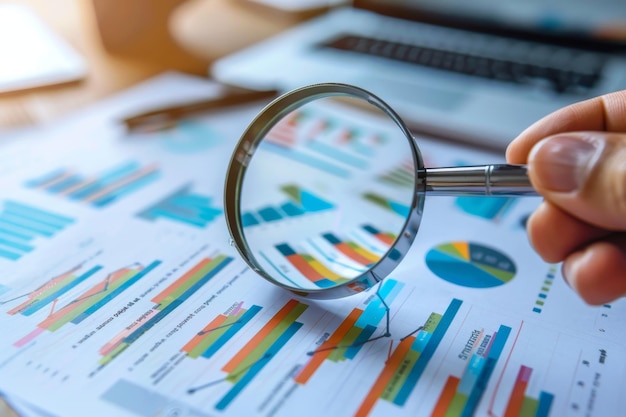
(577, 161)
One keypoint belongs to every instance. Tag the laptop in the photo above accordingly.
(477, 71)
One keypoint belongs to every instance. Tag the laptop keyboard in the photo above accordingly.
(562, 70)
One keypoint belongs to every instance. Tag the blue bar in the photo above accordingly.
(332, 239)
(232, 330)
(95, 307)
(375, 310)
(270, 214)
(492, 358)
(10, 255)
(105, 179)
(37, 182)
(20, 247)
(125, 189)
(32, 222)
(361, 339)
(545, 402)
(12, 234)
(258, 366)
(285, 250)
(307, 159)
(536, 310)
(36, 306)
(64, 184)
(248, 219)
(27, 224)
(36, 214)
(333, 153)
(291, 209)
(131, 338)
(428, 352)
(189, 200)
(370, 229)
(471, 374)
(177, 216)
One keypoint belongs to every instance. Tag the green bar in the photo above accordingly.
(56, 287)
(455, 409)
(539, 302)
(548, 282)
(191, 281)
(529, 407)
(258, 352)
(119, 349)
(88, 302)
(432, 322)
(213, 335)
(545, 289)
(400, 375)
(337, 354)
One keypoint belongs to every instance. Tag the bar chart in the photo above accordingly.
(352, 333)
(184, 206)
(82, 306)
(388, 204)
(100, 189)
(250, 360)
(165, 303)
(21, 225)
(219, 331)
(299, 202)
(408, 361)
(489, 208)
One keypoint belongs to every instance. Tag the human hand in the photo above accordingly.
(576, 160)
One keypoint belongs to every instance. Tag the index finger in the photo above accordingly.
(603, 113)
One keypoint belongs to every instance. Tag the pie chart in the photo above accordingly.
(470, 264)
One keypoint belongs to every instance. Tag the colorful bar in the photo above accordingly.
(352, 250)
(387, 204)
(387, 238)
(311, 268)
(258, 365)
(249, 219)
(167, 301)
(428, 352)
(447, 396)
(251, 352)
(52, 290)
(96, 184)
(269, 214)
(115, 191)
(516, 400)
(185, 207)
(325, 349)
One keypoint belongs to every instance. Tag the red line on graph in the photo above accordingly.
(506, 363)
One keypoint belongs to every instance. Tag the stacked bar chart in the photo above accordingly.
(352, 250)
(408, 361)
(386, 238)
(311, 267)
(259, 351)
(183, 206)
(353, 332)
(165, 303)
(522, 405)
(219, 331)
(460, 396)
(98, 190)
(300, 202)
(21, 225)
(85, 304)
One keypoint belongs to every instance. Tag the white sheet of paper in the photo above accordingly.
(131, 302)
(32, 55)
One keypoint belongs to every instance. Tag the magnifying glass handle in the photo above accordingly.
(496, 180)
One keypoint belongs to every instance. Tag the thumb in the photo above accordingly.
(584, 173)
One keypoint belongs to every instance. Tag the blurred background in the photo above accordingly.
(122, 42)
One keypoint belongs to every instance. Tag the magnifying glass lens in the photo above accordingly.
(326, 193)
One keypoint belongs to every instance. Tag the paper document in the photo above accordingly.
(120, 294)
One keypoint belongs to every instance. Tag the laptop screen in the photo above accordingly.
(584, 23)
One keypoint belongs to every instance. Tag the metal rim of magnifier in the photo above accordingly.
(248, 143)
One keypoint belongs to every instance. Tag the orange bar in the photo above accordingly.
(57, 180)
(163, 294)
(354, 255)
(50, 284)
(385, 238)
(258, 338)
(199, 337)
(139, 174)
(304, 267)
(446, 397)
(385, 376)
(75, 303)
(326, 348)
(516, 400)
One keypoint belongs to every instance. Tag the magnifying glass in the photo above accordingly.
(325, 190)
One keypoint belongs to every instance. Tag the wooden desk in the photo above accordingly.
(145, 37)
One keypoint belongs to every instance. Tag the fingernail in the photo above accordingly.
(561, 163)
